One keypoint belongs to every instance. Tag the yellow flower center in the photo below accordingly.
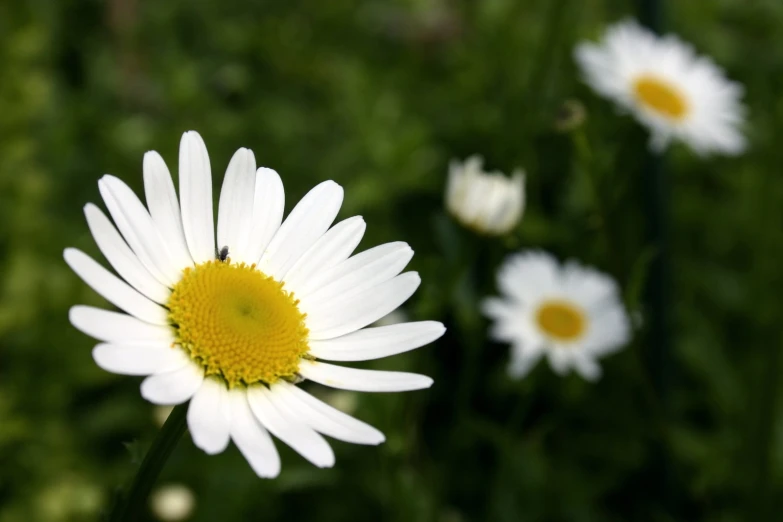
(661, 96)
(238, 323)
(561, 320)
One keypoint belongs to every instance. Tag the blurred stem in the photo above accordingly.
(584, 158)
(658, 287)
(131, 503)
(762, 432)
(545, 56)
(469, 321)
(656, 185)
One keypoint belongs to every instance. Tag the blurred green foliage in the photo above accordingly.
(379, 96)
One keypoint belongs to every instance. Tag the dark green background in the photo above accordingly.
(379, 96)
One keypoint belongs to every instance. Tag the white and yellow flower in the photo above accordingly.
(571, 314)
(233, 325)
(487, 202)
(674, 92)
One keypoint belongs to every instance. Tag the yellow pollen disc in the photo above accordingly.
(561, 320)
(661, 96)
(238, 323)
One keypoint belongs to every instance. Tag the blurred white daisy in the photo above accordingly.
(572, 314)
(487, 202)
(667, 87)
(233, 325)
(172, 502)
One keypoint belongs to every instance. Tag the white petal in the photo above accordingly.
(307, 222)
(251, 437)
(306, 441)
(173, 387)
(114, 289)
(357, 274)
(139, 359)
(121, 257)
(345, 315)
(195, 191)
(587, 368)
(136, 226)
(268, 206)
(560, 360)
(332, 248)
(235, 212)
(362, 380)
(522, 361)
(374, 343)
(324, 418)
(209, 417)
(115, 327)
(384, 254)
(164, 207)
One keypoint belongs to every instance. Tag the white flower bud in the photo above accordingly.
(487, 202)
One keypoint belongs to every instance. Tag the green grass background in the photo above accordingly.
(379, 96)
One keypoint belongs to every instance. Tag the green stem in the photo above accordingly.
(127, 508)
(584, 157)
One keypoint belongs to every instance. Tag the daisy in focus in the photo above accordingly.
(487, 202)
(571, 314)
(233, 325)
(672, 91)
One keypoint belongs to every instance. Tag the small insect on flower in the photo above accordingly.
(222, 255)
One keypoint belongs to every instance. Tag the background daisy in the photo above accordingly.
(573, 315)
(675, 93)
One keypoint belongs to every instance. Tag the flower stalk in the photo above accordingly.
(132, 501)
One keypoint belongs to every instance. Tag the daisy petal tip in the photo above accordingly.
(267, 474)
(438, 327)
(208, 447)
(327, 462)
(422, 382)
(98, 355)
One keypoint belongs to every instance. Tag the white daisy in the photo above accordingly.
(571, 314)
(233, 325)
(487, 202)
(667, 87)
